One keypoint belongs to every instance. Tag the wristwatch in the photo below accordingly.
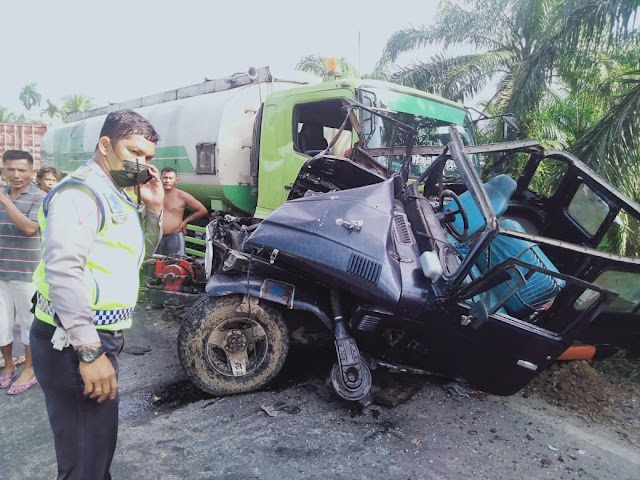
(89, 353)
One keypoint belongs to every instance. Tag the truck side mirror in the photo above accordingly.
(367, 119)
(511, 128)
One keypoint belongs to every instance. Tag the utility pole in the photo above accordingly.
(359, 66)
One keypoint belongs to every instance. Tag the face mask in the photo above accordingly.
(132, 173)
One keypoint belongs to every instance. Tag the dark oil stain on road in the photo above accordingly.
(161, 400)
(302, 365)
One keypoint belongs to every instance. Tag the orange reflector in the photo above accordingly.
(578, 352)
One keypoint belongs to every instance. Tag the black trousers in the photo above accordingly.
(85, 432)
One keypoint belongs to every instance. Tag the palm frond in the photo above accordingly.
(528, 82)
(317, 64)
(403, 40)
(313, 63)
(593, 24)
(429, 76)
(467, 78)
(6, 116)
(612, 145)
(484, 26)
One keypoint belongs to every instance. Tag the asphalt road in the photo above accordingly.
(297, 429)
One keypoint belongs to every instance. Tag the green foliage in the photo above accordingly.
(614, 140)
(524, 45)
(6, 116)
(29, 96)
(548, 176)
(75, 103)
(568, 69)
(622, 237)
(317, 64)
(51, 110)
(623, 369)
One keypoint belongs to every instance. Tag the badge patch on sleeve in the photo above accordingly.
(114, 204)
(82, 172)
(122, 218)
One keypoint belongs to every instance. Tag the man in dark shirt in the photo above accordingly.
(20, 201)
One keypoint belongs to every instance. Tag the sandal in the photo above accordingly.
(7, 379)
(18, 388)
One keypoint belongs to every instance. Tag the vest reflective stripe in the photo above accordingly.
(100, 317)
(112, 269)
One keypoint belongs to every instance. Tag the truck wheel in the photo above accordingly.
(226, 346)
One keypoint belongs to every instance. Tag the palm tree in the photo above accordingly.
(29, 96)
(317, 64)
(51, 110)
(75, 103)
(568, 113)
(519, 43)
(6, 116)
(614, 140)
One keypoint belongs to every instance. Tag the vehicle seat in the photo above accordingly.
(311, 139)
(499, 190)
(540, 288)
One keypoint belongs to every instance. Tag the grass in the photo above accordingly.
(622, 370)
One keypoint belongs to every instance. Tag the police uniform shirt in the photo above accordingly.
(73, 221)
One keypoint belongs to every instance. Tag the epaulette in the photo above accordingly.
(82, 173)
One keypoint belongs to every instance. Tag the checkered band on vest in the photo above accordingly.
(100, 317)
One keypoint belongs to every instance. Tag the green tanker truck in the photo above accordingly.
(239, 142)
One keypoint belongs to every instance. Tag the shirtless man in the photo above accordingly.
(174, 225)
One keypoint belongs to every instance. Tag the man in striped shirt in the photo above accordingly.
(20, 201)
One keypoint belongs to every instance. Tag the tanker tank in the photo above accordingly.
(205, 133)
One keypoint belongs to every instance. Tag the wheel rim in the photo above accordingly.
(237, 347)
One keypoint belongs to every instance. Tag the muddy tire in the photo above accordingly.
(226, 347)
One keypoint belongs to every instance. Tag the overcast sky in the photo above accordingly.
(117, 50)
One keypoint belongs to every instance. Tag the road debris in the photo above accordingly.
(136, 350)
(456, 390)
(269, 410)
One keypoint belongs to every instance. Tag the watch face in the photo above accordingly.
(90, 354)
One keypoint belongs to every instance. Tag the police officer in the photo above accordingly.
(93, 243)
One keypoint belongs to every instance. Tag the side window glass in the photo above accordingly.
(206, 158)
(625, 284)
(622, 236)
(316, 123)
(547, 177)
(588, 209)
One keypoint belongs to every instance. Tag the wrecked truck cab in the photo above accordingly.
(486, 281)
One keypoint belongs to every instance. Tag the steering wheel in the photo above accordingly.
(460, 236)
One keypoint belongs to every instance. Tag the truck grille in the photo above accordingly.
(364, 268)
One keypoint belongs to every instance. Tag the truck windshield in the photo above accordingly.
(430, 119)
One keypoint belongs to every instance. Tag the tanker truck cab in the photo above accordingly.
(299, 123)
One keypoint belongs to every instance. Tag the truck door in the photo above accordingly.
(502, 350)
(296, 127)
(583, 209)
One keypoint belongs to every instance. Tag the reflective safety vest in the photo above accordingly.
(112, 269)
